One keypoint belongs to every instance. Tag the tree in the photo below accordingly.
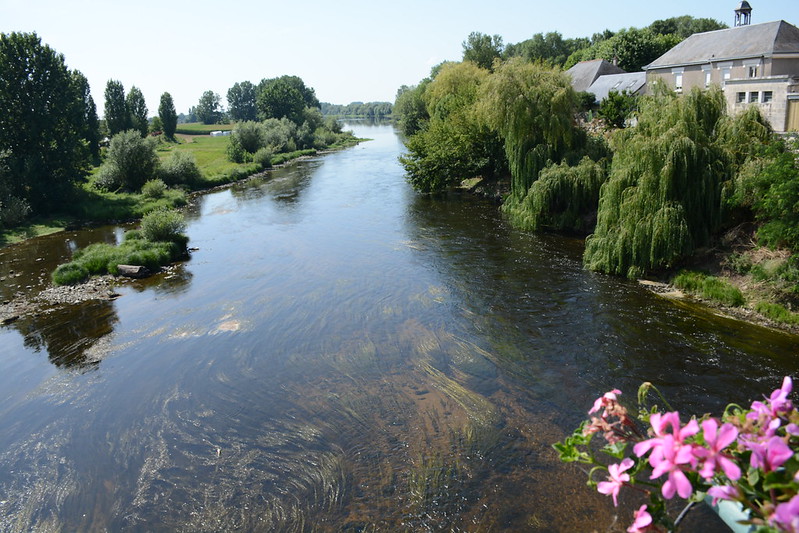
(685, 26)
(208, 109)
(117, 117)
(280, 98)
(42, 127)
(90, 122)
(631, 48)
(663, 198)
(455, 144)
(551, 48)
(241, 101)
(137, 108)
(168, 116)
(482, 49)
(410, 108)
(532, 109)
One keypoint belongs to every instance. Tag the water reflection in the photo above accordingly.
(71, 335)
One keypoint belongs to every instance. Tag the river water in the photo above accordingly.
(341, 353)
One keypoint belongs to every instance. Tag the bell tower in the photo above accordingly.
(743, 14)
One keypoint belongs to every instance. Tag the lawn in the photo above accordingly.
(198, 128)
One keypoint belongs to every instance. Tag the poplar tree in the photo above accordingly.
(137, 108)
(117, 117)
(168, 115)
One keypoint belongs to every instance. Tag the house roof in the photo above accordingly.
(631, 82)
(756, 40)
(584, 73)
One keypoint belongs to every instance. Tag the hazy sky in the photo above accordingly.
(347, 50)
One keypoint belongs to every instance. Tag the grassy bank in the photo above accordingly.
(90, 205)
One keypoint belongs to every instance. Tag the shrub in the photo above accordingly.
(251, 135)
(153, 188)
(69, 274)
(13, 211)
(180, 168)
(617, 107)
(163, 225)
(130, 162)
(235, 152)
(263, 158)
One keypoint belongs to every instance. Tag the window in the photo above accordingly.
(708, 70)
(678, 81)
(753, 71)
(740, 98)
(707, 78)
(726, 73)
(768, 96)
(754, 97)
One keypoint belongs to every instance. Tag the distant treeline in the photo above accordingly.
(359, 109)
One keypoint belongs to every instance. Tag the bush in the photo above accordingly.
(163, 225)
(263, 158)
(617, 107)
(153, 188)
(69, 274)
(251, 136)
(13, 211)
(130, 162)
(180, 168)
(235, 152)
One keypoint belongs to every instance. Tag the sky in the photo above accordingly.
(347, 50)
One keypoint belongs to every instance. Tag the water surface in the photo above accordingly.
(343, 354)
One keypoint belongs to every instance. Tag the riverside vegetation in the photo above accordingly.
(54, 171)
(688, 186)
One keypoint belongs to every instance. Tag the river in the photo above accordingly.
(341, 353)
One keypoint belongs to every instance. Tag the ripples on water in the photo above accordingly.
(342, 354)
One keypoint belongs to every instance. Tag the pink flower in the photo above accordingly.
(667, 459)
(617, 479)
(660, 425)
(641, 522)
(786, 516)
(604, 400)
(712, 456)
(775, 405)
(770, 454)
(724, 492)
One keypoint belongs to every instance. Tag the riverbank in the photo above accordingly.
(131, 207)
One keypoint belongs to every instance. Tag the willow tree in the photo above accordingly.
(453, 144)
(663, 198)
(532, 108)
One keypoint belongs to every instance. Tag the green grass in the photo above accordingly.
(777, 313)
(198, 128)
(36, 227)
(709, 287)
(100, 206)
(165, 244)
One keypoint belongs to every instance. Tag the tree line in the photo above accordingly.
(358, 109)
(630, 48)
(648, 196)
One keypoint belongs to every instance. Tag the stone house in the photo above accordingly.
(755, 64)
